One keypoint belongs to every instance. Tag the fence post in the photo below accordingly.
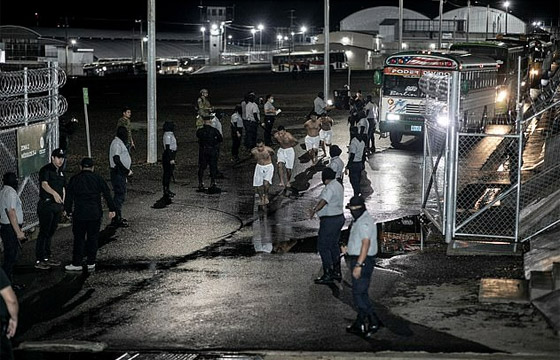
(451, 166)
(519, 132)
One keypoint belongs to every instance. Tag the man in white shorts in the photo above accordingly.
(312, 126)
(286, 155)
(325, 134)
(264, 170)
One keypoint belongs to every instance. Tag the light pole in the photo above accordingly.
(144, 40)
(261, 28)
(303, 31)
(506, 5)
(73, 43)
(203, 30)
(141, 39)
(253, 32)
(279, 38)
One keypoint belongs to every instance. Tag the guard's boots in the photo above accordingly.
(358, 328)
(327, 277)
(373, 324)
(337, 274)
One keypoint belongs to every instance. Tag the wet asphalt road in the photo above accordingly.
(189, 276)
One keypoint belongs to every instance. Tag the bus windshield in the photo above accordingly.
(401, 86)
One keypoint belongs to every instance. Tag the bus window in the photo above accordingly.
(401, 86)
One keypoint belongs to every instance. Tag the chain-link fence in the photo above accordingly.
(23, 102)
(505, 181)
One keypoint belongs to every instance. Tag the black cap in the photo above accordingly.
(58, 152)
(86, 162)
(356, 201)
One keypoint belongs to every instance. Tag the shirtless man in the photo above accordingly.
(312, 126)
(325, 134)
(264, 170)
(286, 155)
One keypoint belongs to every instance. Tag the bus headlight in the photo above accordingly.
(393, 117)
(502, 96)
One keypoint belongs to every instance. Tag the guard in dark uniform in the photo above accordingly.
(50, 207)
(208, 140)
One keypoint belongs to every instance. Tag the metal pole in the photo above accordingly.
(327, 51)
(506, 20)
(468, 19)
(487, 14)
(260, 40)
(152, 119)
(203, 45)
(400, 47)
(451, 166)
(25, 96)
(440, 23)
(141, 42)
(519, 133)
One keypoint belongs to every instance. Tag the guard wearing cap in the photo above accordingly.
(11, 220)
(50, 207)
(83, 201)
(361, 251)
(330, 210)
(336, 162)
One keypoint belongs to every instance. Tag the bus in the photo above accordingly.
(402, 104)
(506, 52)
(168, 66)
(307, 61)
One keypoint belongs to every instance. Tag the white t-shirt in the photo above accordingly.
(357, 148)
(319, 106)
(119, 148)
(252, 109)
(338, 166)
(9, 199)
(362, 228)
(333, 194)
(236, 120)
(169, 139)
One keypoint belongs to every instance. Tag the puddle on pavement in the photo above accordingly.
(120, 355)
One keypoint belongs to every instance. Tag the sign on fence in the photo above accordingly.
(32, 149)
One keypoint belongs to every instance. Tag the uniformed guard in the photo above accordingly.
(11, 220)
(208, 140)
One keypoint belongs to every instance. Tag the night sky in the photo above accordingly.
(176, 14)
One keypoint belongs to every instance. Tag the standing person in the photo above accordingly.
(50, 207)
(336, 163)
(325, 134)
(286, 155)
(204, 107)
(355, 160)
(120, 164)
(253, 119)
(168, 157)
(264, 170)
(9, 309)
(236, 132)
(330, 209)
(245, 120)
(312, 126)
(362, 248)
(270, 113)
(125, 121)
(84, 203)
(209, 138)
(11, 219)
(320, 106)
(363, 126)
(372, 114)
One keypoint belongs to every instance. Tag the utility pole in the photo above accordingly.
(440, 23)
(152, 111)
(468, 19)
(327, 51)
(400, 47)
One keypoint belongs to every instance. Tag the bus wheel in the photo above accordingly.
(396, 137)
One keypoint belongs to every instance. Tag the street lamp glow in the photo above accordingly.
(145, 39)
(260, 27)
(202, 29)
(73, 41)
(303, 29)
(286, 38)
(253, 31)
(506, 4)
(214, 26)
(230, 37)
(293, 33)
(279, 37)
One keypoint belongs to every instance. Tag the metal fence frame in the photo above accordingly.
(29, 97)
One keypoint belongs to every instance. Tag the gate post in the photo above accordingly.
(451, 166)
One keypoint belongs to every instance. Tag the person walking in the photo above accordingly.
(285, 156)
(264, 170)
(83, 203)
(11, 220)
(320, 106)
(355, 160)
(270, 113)
(168, 157)
(236, 132)
(336, 163)
(325, 134)
(372, 114)
(120, 168)
(125, 121)
(312, 127)
(330, 209)
(253, 119)
(361, 251)
(209, 138)
(50, 208)
(9, 309)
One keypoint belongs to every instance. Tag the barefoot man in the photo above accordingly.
(264, 170)
(312, 126)
(286, 155)
(325, 134)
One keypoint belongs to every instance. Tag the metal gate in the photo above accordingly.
(29, 97)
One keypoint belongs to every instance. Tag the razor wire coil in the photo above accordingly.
(33, 81)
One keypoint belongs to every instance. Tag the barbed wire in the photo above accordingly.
(13, 83)
(12, 112)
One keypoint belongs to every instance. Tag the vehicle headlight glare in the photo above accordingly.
(502, 96)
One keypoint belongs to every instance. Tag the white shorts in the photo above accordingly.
(287, 157)
(262, 173)
(311, 142)
(325, 136)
